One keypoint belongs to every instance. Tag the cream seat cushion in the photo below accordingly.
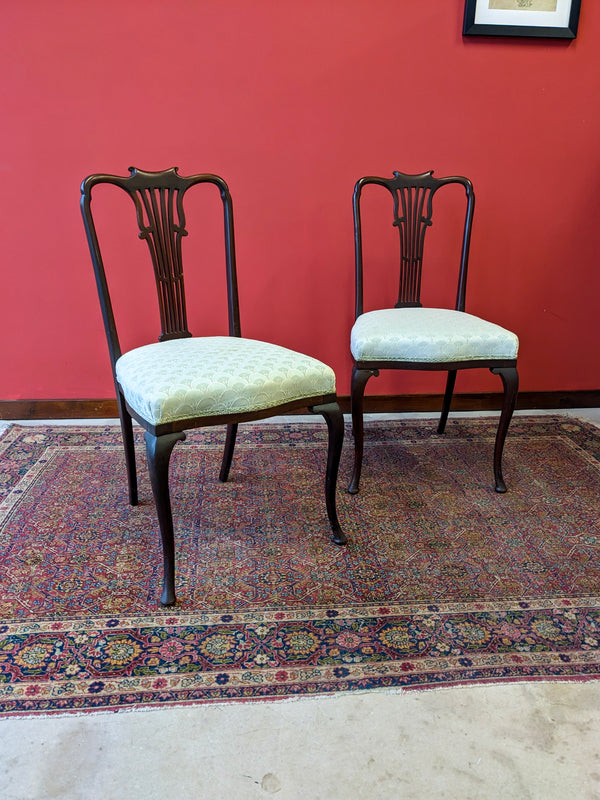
(429, 335)
(204, 376)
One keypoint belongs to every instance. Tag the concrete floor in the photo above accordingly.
(521, 740)
(535, 740)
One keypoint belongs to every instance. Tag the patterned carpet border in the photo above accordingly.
(80, 661)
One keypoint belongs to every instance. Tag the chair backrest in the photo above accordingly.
(413, 211)
(158, 199)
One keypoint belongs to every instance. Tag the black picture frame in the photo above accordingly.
(490, 28)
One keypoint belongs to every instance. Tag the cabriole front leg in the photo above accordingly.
(158, 450)
(335, 425)
(357, 391)
(510, 380)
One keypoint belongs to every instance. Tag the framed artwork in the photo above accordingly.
(554, 18)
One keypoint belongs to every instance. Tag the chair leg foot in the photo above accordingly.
(167, 597)
(339, 537)
(510, 381)
(158, 451)
(335, 424)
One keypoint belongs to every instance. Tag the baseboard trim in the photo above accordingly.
(58, 409)
(374, 404)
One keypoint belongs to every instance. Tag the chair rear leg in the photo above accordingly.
(228, 452)
(158, 451)
(129, 447)
(357, 391)
(451, 380)
(335, 424)
(510, 380)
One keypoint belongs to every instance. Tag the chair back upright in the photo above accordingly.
(413, 215)
(158, 198)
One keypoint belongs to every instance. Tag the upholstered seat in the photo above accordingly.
(429, 335)
(182, 381)
(413, 335)
(187, 378)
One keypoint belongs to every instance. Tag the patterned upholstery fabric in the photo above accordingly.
(205, 376)
(429, 335)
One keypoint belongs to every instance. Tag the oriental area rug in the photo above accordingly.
(443, 581)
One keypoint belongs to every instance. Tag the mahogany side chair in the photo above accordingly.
(412, 336)
(180, 381)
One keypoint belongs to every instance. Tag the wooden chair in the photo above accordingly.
(410, 336)
(183, 382)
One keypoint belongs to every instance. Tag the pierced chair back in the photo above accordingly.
(412, 215)
(412, 336)
(159, 204)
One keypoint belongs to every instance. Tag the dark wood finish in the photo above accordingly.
(412, 198)
(228, 452)
(510, 380)
(58, 409)
(335, 423)
(128, 447)
(158, 199)
(359, 381)
(158, 451)
(450, 383)
(373, 404)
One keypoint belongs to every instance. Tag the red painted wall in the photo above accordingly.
(291, 103)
